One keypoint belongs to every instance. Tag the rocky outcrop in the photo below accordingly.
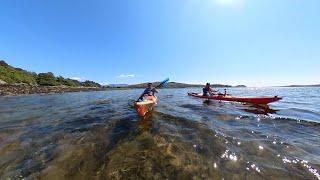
(11, 90)
(3, 63)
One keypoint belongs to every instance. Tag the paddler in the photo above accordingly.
(208, 91)
(149, 91)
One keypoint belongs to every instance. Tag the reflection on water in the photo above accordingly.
(98, 135)
(251, 108)
(260, 109)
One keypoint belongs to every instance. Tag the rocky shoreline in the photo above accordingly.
(13, 90)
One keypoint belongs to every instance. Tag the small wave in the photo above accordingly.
(296, 120)
(300, 114)
(304, 111)
(296, 102)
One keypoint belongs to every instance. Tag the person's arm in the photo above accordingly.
(212, 91)
(154, 90)
(141, 96)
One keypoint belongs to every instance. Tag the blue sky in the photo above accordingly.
(252, 42)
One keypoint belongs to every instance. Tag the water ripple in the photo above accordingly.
(98, 134)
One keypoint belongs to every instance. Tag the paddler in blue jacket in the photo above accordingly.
(149, 91)
(208, 91)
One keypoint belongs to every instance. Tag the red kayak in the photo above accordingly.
(242, 99)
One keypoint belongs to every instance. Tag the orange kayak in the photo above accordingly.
(145, 106)
(242, 99)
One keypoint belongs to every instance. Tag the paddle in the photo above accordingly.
(159, 86)
(163, 83)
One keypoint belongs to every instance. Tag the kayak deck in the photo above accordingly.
(242, 99)
(145, 106)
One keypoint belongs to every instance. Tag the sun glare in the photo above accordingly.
(225, 2)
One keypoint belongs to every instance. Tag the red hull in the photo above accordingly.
(252, 100)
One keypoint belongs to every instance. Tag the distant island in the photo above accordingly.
(314, 85)
(15, 81)
(241, 86)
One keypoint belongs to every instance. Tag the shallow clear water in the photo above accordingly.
(99, 135)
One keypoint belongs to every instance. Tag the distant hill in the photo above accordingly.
(17, 76)
(220, 86)
(175, 85)
(241, 86)
(168, 85)
(116, 85)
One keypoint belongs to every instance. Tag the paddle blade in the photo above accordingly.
(163, 83)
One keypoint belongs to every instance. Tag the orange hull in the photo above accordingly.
(145, 106)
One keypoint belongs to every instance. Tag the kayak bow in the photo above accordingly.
(145, 106)
(242, 99)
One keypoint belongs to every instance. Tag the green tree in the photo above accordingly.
(90, 84)
(47, 79)
(68, 82)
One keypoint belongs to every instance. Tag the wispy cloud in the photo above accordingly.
(126, 76)
(78, 78)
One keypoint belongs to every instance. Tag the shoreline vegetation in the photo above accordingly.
(17, 81)
(22, 89)
(25, 89)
